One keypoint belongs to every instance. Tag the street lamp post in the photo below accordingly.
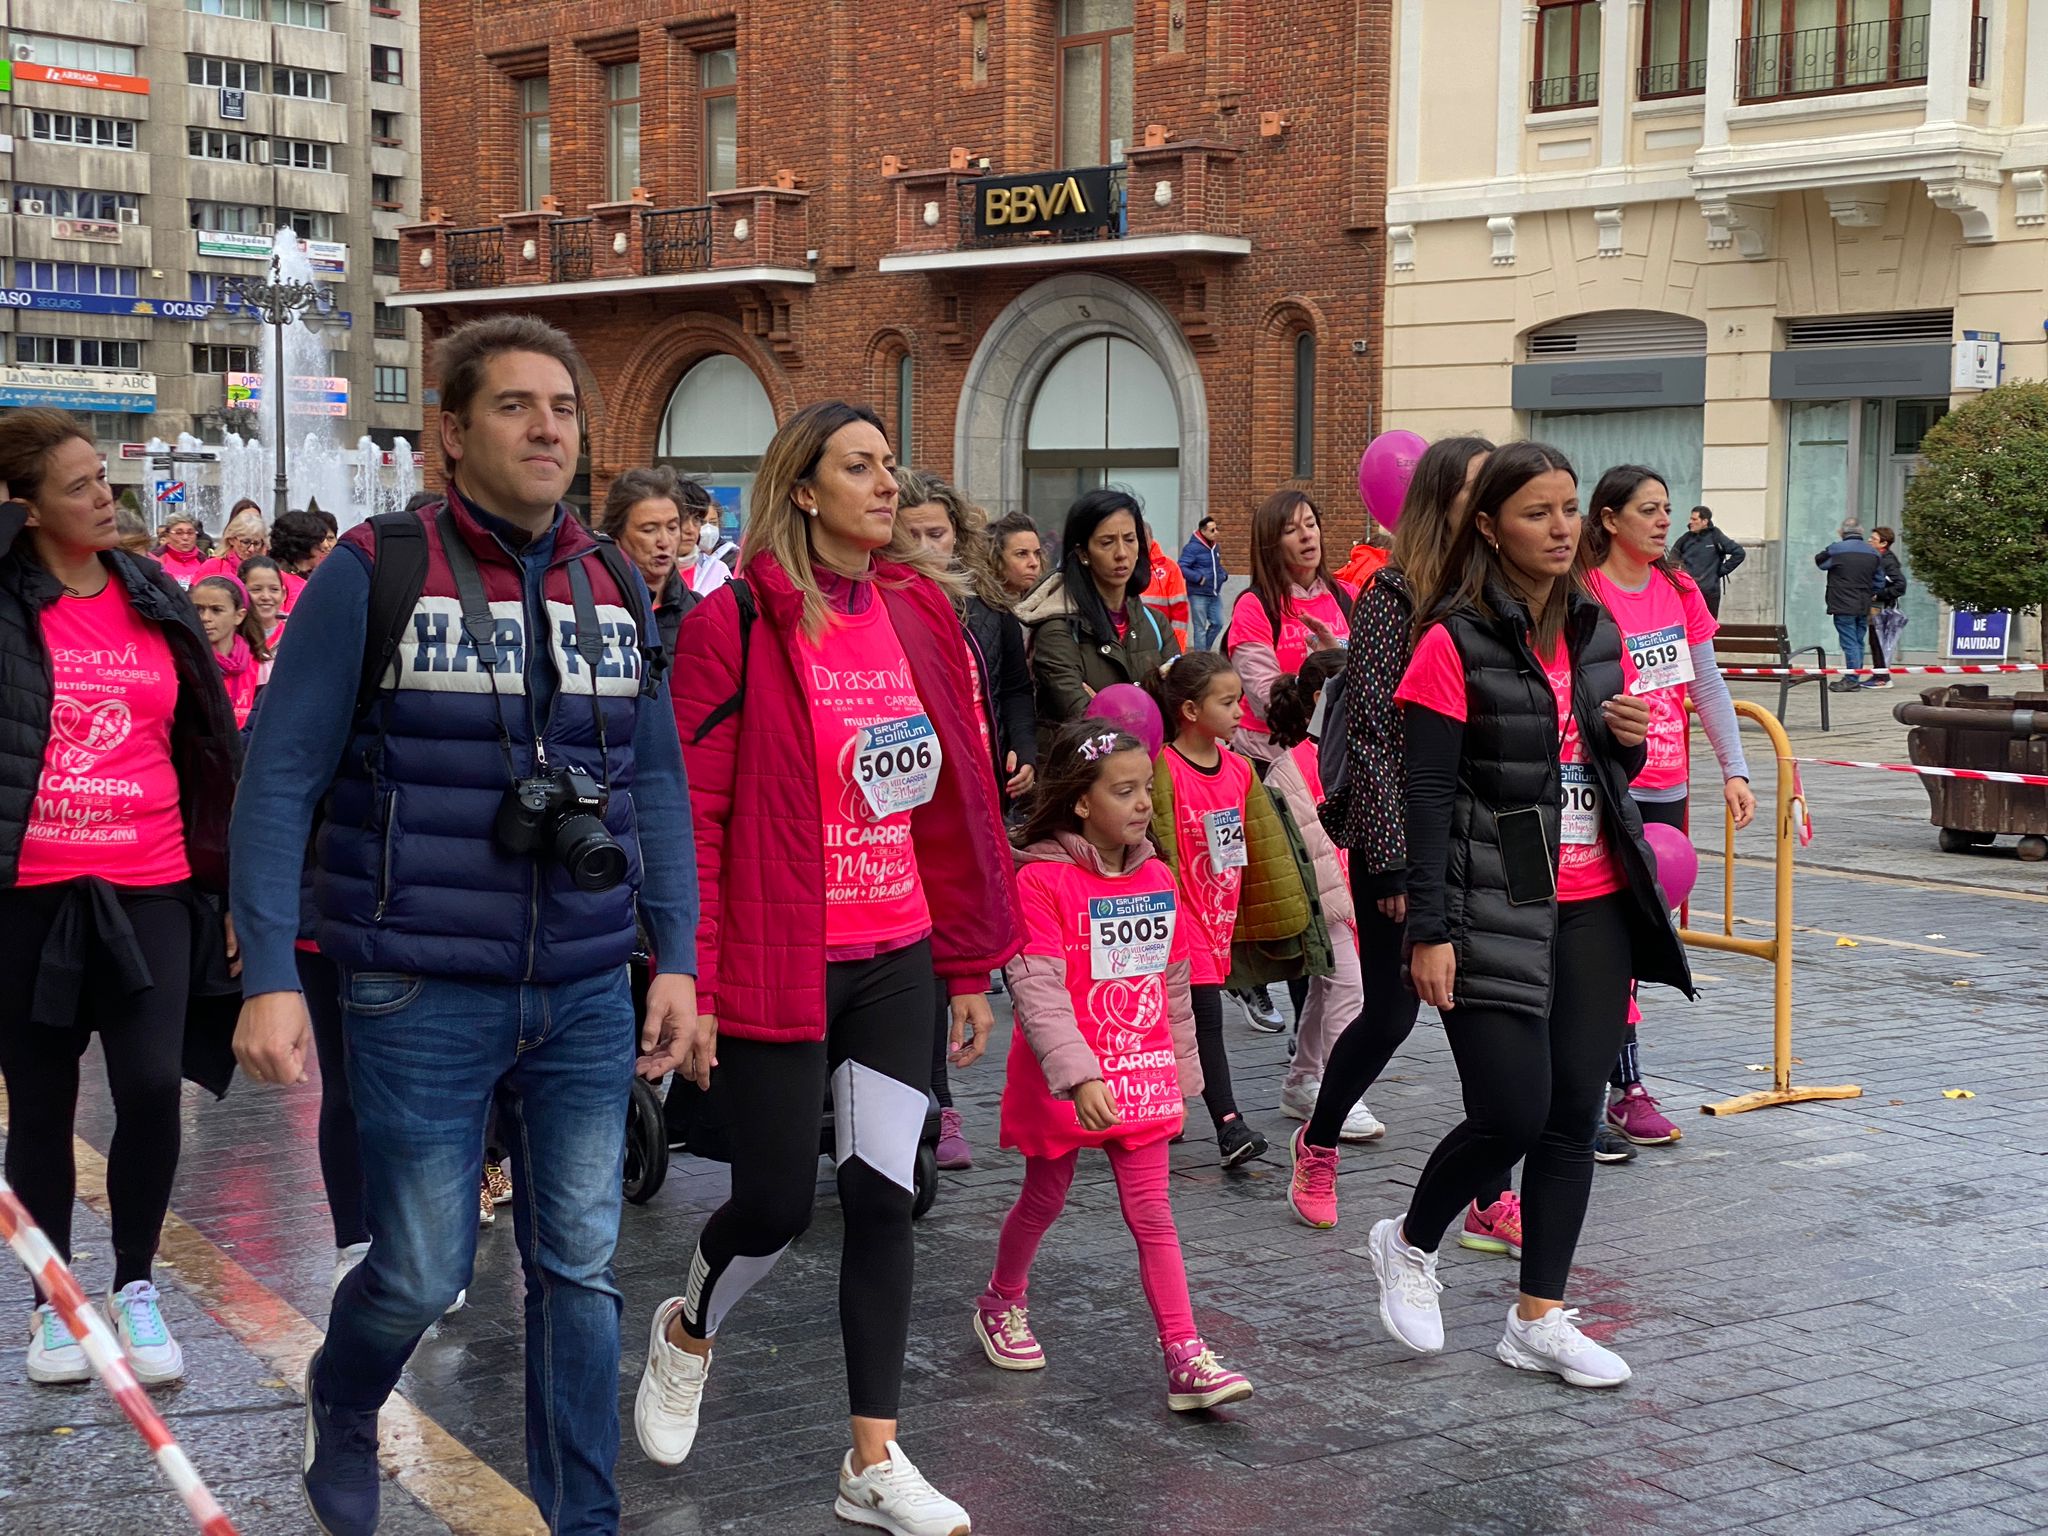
(277, 302)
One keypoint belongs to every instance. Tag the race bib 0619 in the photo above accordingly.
(1661, 659)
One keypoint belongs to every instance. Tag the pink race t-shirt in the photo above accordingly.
(1659, 627)
(1209, 843)
(857, 676)
(293, 586)
(107, 803)
(1249, 626)
(1106, 931)
(184, 569)
(1586, 866)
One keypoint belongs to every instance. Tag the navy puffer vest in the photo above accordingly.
(409, 877)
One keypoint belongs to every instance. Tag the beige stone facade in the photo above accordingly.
(1710, 236)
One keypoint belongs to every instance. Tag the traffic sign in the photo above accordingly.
(172, 493)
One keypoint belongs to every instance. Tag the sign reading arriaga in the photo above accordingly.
(1049, 200)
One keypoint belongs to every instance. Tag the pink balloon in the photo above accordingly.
(1130, 709)
(1678, 862)
(1384, 472)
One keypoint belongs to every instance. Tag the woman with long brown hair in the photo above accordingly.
(857, 854)
(1296, 605)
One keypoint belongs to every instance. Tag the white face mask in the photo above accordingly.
(707, 538)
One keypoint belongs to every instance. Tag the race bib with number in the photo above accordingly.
(1581, 807)
(1225, 831)
(1661, 659)
(896, 764)
(1129, 935)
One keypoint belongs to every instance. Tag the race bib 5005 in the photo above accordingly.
(1129, 935)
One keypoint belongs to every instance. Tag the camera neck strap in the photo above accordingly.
(479, 626)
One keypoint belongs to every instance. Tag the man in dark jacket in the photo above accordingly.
(1708, 555)
(1855, 577)
(1201, 562)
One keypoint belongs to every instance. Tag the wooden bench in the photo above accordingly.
(1768, 645)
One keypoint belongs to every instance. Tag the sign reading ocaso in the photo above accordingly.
(1050, 200)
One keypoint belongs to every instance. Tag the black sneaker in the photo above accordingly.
(341, 1479)
(1259, 1010)
(1238, 1142)
(1845, 685)
(1609, 1146)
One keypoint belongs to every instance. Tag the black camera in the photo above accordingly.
(560, 812)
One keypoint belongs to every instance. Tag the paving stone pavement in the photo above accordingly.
(1835, 1312)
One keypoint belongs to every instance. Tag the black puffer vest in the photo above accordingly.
(1511, 761)
(205, 750)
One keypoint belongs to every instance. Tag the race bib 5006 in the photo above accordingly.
(896, 764)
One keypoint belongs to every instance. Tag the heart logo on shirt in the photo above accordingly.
(1129, 1010)
(82, 734)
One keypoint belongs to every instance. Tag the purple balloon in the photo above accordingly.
(1678, 862)
(1130, 709)
(1384, 472)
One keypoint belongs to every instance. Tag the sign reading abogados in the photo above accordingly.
(1050, 200)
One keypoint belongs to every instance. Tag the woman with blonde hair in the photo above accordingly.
(244, 538)
(858, 855)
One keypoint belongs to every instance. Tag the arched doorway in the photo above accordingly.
(1104, 414)
(717, 425)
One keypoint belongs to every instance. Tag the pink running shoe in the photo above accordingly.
(1006, 1338)
(1497, 1229)
(1195, 1379)
(953, 1151)
(1636, 1118)
(1313, 1190)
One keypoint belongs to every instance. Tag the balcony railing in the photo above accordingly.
(476, 257)
(569, 249)
(1679, 77)
(676, 240)
(1108, 222)
(1863, 55)
(1564, 91)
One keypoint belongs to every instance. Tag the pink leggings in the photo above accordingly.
(1141, 1188)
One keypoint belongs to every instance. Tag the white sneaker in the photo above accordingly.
(1298, 1097)
(1361, 1124)
(54, 1356)
(1553, 1343)
(671, 1394)
(893, 1495)
(139, 1321)
(1408, 1288)
(346, 1259)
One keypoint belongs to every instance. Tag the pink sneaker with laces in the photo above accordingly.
(1313, 1190)
(1636, 1117)
(1196, 1379)
(1004, 1328)
(1497, 1229)
(953, 1150)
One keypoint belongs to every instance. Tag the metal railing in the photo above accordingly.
(675, 240)
(1564, 91)
(1111, 221)
(1679, 77)
(1862, 55)
(475, 257)
(569, 249)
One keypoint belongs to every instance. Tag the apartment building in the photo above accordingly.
(152, 148)
(1057, 243)
(1761, 245)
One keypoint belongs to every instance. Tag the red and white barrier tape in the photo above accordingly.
(103, 1350)
(1968, 668)
(1985, 775)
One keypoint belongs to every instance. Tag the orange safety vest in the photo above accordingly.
(1167, 595)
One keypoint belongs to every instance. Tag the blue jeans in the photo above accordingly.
(1205, 609)
(426, 1056)
(1849, 630)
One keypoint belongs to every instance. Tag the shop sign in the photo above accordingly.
(102, 304)
(100, 231)
(6, 74)
(89, 79)
(1051, 200)
(1974, 636)
(218, 242)
(310, 396)
(329, 258)
(77, 389)
(1978, 358)
(234, 104)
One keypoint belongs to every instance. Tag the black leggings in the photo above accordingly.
(1628, 1066)
(875, 1060)
(142, 1037)
(1216, 1093)
(1533, 1091)
(942, 1030)
(341, 1155)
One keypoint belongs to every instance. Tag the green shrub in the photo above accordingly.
(1976, 518)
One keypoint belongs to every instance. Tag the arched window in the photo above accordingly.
(1305, 405)
(718, 424)
(906, 396)
(1104, 415)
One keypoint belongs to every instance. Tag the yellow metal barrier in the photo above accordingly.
(1777, 949)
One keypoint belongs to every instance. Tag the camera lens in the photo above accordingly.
(591, 855)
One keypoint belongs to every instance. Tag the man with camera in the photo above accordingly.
(487, 767)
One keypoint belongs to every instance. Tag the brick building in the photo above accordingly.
(1053, 242)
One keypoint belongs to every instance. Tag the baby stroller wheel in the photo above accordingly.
(646, 1143)
(926, 1180)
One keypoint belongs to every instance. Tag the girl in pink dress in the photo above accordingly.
(1104, 1050)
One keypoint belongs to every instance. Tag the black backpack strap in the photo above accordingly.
(1343, 598)
(478, 622)
(398, 574)
(654, 657)
(743, 598)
